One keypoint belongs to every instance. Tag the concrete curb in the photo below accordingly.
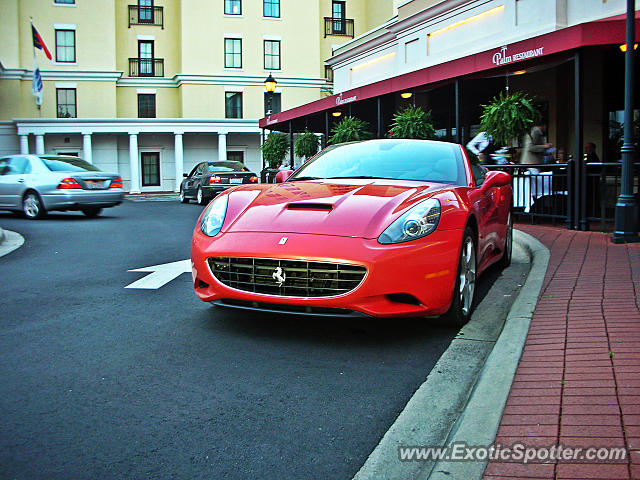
(480, 419)
(9, 241)
(465, 392)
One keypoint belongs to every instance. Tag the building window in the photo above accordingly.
(145, 58)
(328, 73)
(65, 45)
(146, 105)
(233, 53)
(235, 156)
(338, 17)
(271, 8)
(66, 103)
(272, 55)
(233, 105)
(65, 2)
(233, 7)
(150, 169)
(145, 11)
(276, 103)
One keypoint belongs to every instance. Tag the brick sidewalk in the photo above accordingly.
(578, 381)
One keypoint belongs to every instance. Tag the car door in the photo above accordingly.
(485, 203)
(13, 173)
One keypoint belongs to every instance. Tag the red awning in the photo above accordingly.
(600, 32)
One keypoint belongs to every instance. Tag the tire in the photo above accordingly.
(200, 197)
(91, 211)
(183, 199)
(463, 293)
(32, 206)
(505, 260)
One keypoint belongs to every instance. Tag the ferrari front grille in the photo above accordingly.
(286, 278)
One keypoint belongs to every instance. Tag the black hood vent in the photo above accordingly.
(310, 206)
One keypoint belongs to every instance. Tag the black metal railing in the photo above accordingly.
(540, 191)
(338, 26)
(146, 67)
(582, 197)
(146, 16)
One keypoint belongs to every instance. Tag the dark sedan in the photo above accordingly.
(207, 179)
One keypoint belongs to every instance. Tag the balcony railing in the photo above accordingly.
(146, 16)
(146, 67)
(338, 26)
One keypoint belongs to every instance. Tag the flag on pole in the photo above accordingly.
(36, 87)
(39, 43)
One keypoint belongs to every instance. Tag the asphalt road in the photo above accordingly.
(99, 381)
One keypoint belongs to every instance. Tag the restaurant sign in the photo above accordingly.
(503, 58)
(341, 101)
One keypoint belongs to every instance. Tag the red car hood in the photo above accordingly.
(353, 208)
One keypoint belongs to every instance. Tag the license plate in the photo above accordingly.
(95, 184)
(235, 180)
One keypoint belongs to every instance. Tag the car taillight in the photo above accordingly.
(68, 184)
(253, 179)
(215, 180)
(116, 183)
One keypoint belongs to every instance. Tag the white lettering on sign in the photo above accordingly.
(502, 58)
(342, 101)
(271, 122)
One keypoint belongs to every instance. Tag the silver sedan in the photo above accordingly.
(36, 184)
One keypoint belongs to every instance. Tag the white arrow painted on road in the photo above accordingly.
(161, 274)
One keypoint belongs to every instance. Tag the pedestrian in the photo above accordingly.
(535, 146)
(481, 146)
(590, 154)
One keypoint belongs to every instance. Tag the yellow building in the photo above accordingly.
(149, 88)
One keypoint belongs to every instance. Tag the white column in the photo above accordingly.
(86, 148)
(222, 147)
(24, 144)
(134, 164)
(179, 159)
(39, 144)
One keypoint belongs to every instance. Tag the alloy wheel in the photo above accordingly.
(467, 276)
(31, 205)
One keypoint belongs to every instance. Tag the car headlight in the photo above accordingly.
(213, 216)
(417, 222)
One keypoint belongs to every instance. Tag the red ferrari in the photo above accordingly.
(387, 228)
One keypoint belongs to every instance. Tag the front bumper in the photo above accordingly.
(410, 279)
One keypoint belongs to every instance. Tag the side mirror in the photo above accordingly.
(496, 179)
(283, 175)
(185, 175)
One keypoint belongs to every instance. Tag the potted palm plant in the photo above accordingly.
(412, 122)
(509, 117)
(274, 150)
(307, 145)
(350, 129)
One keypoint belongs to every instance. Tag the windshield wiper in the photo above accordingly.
(295, 179)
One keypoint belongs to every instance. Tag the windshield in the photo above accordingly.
(68, 164)
(418, 160)
(226, 167)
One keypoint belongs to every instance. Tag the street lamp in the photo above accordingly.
(626, 221)
(270, 85)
